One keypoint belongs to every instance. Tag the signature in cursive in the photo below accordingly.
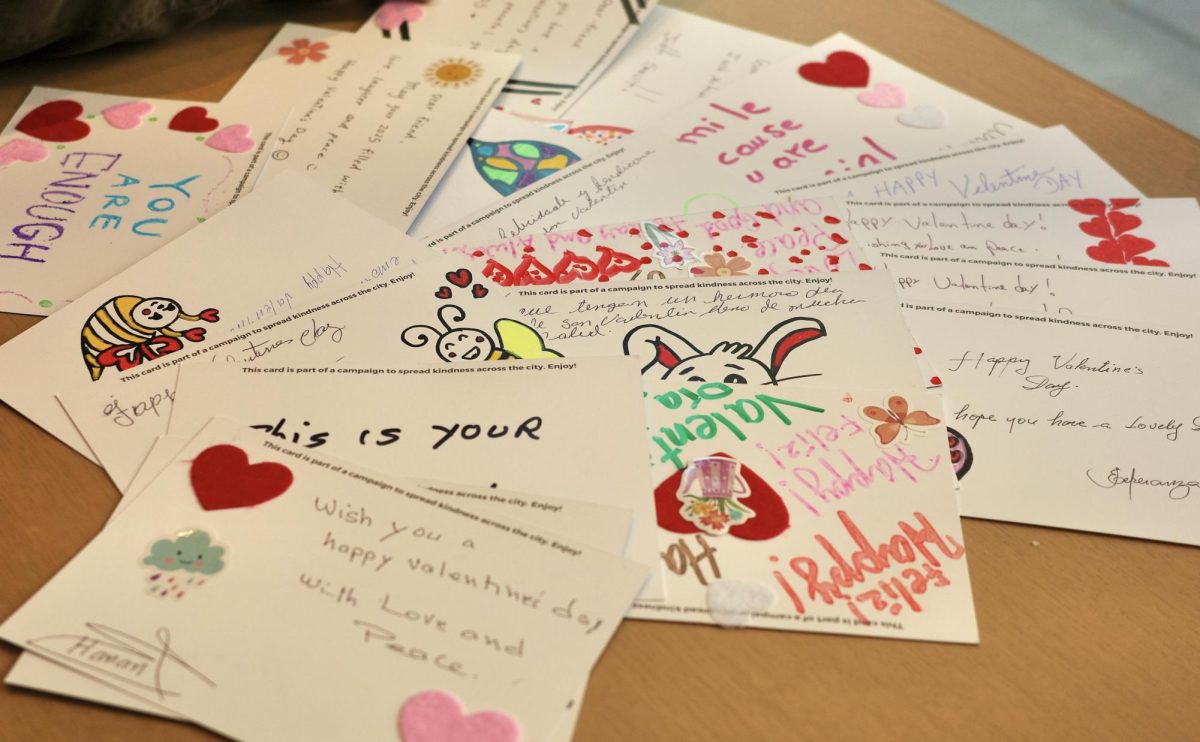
(1177, 489)
(120, 656)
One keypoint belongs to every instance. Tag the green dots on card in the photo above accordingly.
(45, 303)
(200, 138)
(60, 146)
(153, 118)
(200, 219)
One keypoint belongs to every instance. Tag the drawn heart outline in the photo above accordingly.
(55, 121)
(443, 292)
(193, 119)
(479, 291)
(436, 716)
(839, 70)
(223, 477)
(460, 278)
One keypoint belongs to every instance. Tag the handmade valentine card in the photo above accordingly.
(226, 275)
(504, 154)
(794, 235)
(675, 58)
(1069, 421)
(1036, 165)
(433, 312)
(454, 613)
(806, 508)
(1062, 258)
(375, 123)
(793, 331)
(93, 183)
(529, 427)
(564, 48)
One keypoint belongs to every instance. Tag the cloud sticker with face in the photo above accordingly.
(190, 551)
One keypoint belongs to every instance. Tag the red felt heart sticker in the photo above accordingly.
(460, 278)
(223, 477)
(839, 70)
(1091, 206)
(193, 119)
(55, 121)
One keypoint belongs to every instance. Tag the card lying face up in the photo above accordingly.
(218, 278)
(408, 612)
(93, 183)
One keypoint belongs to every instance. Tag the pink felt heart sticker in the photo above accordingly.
(127, 115)
(22, 150)
(234, 138)
(435, 716)
(883, 95)
(391, 15)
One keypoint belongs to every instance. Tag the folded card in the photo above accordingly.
(564, 47)
(1070, 422)
(1062, 258)
(222, 276)
(93, 183)
(375, 123)
(409, 609)
(675, 58)
(804, 508)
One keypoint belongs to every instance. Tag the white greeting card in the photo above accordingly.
(529, 427)
(775, 332)
(93, 183)
(504, 154)
(793, 235)
(223, 276)
(675, 58)
(445, 607)
(375, 123)
(1070, 422)
(1063, 258)
(1036, 165)
(453, 317)
(564, 47)
(806, 508)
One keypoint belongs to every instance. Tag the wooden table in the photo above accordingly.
(1083, 636)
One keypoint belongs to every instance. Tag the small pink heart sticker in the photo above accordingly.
(883, 95)
(127, 115)
(235, 139)
(435, 716)
(391, 15)
(22, 150)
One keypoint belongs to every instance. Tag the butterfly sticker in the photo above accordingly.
(895, 418)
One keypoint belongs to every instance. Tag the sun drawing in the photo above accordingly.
(453, 73)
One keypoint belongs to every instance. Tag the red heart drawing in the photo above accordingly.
(479, 291)
(124, 357)
(1121, 250)
(1097, 227)
(838, 238)
(1092, 206)
(193, 119)
(209, 315)
(771, 516)
(832, 220)
(1123, 203)
(55, 121)
(572, 267)
(1155, 262)
(223, 477)
(1122, 222)
(195, 334)
(584, 233)
(460, 278)
(839, 70)
(443, 292)
(162, 345)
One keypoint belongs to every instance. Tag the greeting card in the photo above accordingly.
(564, 47)
(226, 275)
(93, 183)
(375, 123)
(454, 613)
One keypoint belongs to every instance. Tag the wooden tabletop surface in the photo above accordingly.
(1083, 636)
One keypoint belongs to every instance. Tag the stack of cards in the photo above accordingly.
(529, 320)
